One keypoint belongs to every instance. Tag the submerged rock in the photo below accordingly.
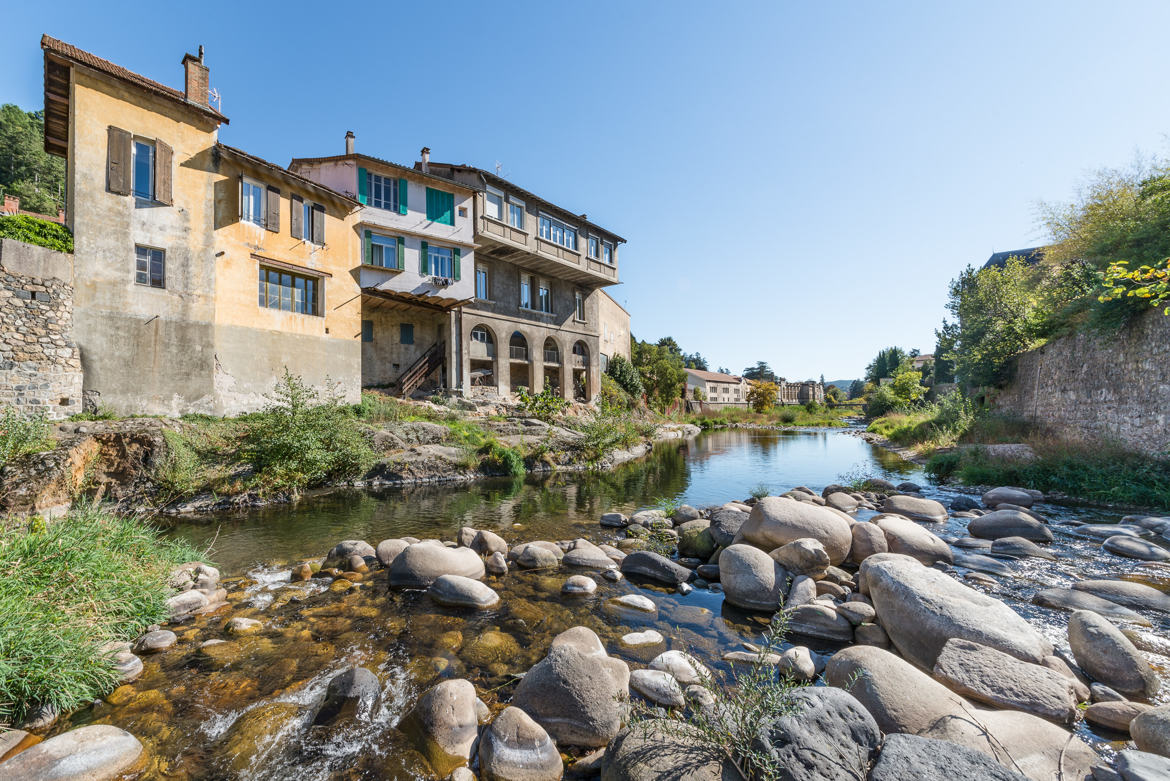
(353, 693)
(443, 725)
(94, 753)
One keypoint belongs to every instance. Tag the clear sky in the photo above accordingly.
(797, 181)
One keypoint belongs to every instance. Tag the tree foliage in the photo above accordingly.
(26, 169)
(856, 389)
(884, 364)
(760, 372)
(762, 395)
(660, 367)
(626, 376)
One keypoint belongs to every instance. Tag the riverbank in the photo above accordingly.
(644, 606)
(199, 464)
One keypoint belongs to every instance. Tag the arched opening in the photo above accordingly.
(518, 361)
(483, 358)
(552, 365)
(581, 389)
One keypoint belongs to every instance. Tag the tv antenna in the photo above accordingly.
(499, 168)
(213, 93)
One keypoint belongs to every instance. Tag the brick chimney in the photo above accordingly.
(349, 139)
(196, 79)
(11, 204)
(426, 159)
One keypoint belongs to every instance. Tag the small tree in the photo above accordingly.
(762, 395)
(626, 376)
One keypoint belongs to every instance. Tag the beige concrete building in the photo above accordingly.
(615, 329)
(535, 319)
(715, 389)
(200, 272)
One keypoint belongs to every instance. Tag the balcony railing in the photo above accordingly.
(518, 353)
(552, 356)
(483, 350)
(580, 361)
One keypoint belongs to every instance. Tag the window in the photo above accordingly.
(288, 292)
(144, 170)
(516, 213)
(383, 191)
(544, 297)
(593, 253)
(579, 308)
(149, 267)
(481, 284)
(406, 333)
(440, 207)
(525, 291)
(494, 205)
(607, 252)
(442, 261)
(367, 330)
(252, 202)
(383, 251)
(480, 334)
(557, 232)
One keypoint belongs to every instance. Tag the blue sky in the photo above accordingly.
(797, 182)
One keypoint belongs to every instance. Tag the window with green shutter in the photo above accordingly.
(363, 186)
(424, 262)
(402, 196)
(440, 206)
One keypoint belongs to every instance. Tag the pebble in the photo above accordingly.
(638, 639)
(579, 584)
(637, 602)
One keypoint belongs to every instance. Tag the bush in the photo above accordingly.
(787, 416)
(613, 396)
(499, 459)
(882, 401)
(300, 441)
(176, 473)
(34, 230)
(545, 405)
(22, 434)
(85, 579)
(626, 376)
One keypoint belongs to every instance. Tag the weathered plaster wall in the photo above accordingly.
(1114, 388)
(614, 326)
(40, 366)
(385, 358)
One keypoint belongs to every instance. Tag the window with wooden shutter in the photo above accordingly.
(163, 157)
(367, 249)
(440, 206)
(318, 224)
(272, 218)
(297, 216)
(118, 161)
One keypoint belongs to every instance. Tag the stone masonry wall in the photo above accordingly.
(1113, 388)
(40, 365)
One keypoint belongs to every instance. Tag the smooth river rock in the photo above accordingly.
(1009, 523)
(995, 678)
(339, 554)
(353, 693)
(658, 686)
(803, 557)
(1115, 716)
(576, 585)
(1107, 656)
(421, 564)
(868, 539)
(586, 555)
(751, 579)
(443, 724)
(458, 591)
(516, 748)
(1019, 547)
(1151, 730)
(902, 698)
(154, 642)
(1071, 599)
(908, 538)
(1007, 495)
(661, 750)
(827, 735)
(1138, 596)
(655, 566)
(922, 608)
(915, 508)
(1135, 548)
(725, 524)
(907, 757)
(94, 753)
(775, 521)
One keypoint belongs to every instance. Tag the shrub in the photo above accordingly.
(760, 491)
(300, 441)
(545, 405)
(176, 473)
(613, 396)
(787, 416)
(501, 459)
(34, 230)
(85, 579)
(626, 376)
(22, 434)
(882, 401)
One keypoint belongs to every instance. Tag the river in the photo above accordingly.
(242, 709)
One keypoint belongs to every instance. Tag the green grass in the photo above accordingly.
(83, 580)
(610, 430)
(812, 416)
(1098, 473)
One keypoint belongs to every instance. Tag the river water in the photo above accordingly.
(243, 709)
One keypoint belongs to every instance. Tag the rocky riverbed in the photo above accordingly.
(993, 637)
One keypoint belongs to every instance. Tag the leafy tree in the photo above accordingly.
(723, 370)
(661, 369)
(834, 394)
(626, 376)
(26, 169)
(944, 349)
(907, 384)
(856, 389)
(885, 364)
(695, 361)
(762, 395)
(760, 372)
(670, 345)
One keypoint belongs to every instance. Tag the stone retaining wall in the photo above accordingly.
(40, 365)
(1113, 388)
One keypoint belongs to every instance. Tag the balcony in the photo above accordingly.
(552, 357)
(482, 351)
(580, 361)
(532, 253)
(517, 353)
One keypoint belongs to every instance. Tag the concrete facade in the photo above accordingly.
(615, 329)
(717, 390)
(40, 365)
(528, 344)
(194, 339)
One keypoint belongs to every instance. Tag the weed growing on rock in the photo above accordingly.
(22, 434)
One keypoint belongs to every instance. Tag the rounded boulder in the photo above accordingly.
(776, 521)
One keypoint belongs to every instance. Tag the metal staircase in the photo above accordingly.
(418, 371)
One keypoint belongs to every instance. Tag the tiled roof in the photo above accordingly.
(714, 376)
(83, 57)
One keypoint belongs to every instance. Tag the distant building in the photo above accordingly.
(1031, 256)
(11, 208)
(919, 361)
(716, 390)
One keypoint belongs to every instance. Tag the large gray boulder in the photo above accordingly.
(1151, 730)
(776, 521)
(905, 757)
(1009, 523)
(1138, 596)
(1071, 599)
(827, 735)
(444, 725)
(388, 550)
(1107, 656)
(576, 693)
(751, 579)
(1008, 495)
(655, 566)
(998, 679)
(662, 750)
(725, 524)
(516, 748)
(1134, 548)
(1019, 548)
(1142, 766)
(695, 539)
(421, 564)
(902, 698)
(97, 752)
(803, 557)
(908, 538)
(339, 554)
(922, 608)
(915, 508)
(868, 539)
